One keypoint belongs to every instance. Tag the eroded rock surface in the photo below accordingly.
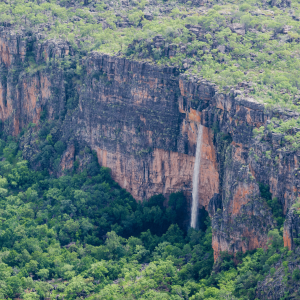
(142, 121)
(291, 233)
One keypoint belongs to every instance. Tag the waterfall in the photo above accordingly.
(196, 178)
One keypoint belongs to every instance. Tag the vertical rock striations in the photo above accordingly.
(291, 233)
(142, 122)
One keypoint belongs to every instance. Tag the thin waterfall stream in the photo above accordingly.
(195, 195)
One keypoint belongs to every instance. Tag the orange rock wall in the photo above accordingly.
(142, 121)
(245, 219)
(209, 176)
(287, 240)
(24, 104)
(240, 208)
(24, 93)
(164, 172)
(291, 231)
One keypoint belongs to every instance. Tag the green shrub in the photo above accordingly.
(272, 271)
(296, 274)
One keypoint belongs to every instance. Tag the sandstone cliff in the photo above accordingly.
(142, 122)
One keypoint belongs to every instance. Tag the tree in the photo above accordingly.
(32, 266)
(114, 245)
(59, 147)
(5, 271)
(43, 274)
(15, 284)
(275, 239)
(31, 296)
(31, 195)
(76, 287)
(296, 274)
(98, 271)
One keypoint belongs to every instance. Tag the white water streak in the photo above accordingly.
(196, 178)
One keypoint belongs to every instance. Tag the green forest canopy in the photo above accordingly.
(82, 236)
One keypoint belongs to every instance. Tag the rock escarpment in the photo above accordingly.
(142, 122)
(292, 229)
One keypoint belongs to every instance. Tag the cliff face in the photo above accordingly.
(245, 218)
(142, 122)
(26, 88)
(291, 230)
(129, 114)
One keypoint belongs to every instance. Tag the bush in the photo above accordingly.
(59, 147)
(296, 275)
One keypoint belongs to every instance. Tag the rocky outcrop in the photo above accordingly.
(26, 85)
(67, 159)
(245, 218)
(128, 113)
(291, 233)
(142, 122)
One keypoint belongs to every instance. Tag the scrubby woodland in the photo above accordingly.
(250, 46)
(254, 44)
(80, 235)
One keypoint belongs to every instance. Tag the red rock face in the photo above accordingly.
(164, 172)
(24, 101)
(67, 159)
(159, 171)
(287, 239)
(244, 212)
(244, 220)
(142, 121)
(209, 176)
(291, 229)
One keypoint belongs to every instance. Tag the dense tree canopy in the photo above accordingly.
(81, 236)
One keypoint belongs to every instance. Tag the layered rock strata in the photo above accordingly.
(142, 122)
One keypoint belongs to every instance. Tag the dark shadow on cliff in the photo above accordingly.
(160, 217)
(273, 203)
(221, 142)
(202, 219)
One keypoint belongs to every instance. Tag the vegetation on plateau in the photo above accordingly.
(252, 46)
